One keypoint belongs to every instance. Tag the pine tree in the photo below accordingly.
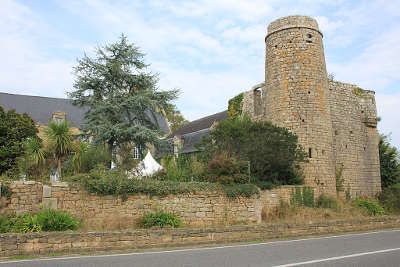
(121, 95)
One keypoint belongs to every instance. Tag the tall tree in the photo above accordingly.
(175, 118)
(389, 161)
(60, 141)
(121, 95)
(14, 130)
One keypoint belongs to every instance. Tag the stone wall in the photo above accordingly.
(111, 212)
(25, 197)
(69, 242)
(355, 138)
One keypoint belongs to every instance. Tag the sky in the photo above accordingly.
(209, 49)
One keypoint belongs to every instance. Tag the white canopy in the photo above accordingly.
(148, 166)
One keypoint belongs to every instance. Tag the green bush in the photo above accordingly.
(52, 220)
(327, 202)
(5, 224)
(160, 219)
(116, 183)
(5, 191)
(241, 190)
(390, 198)
(371, 207)
(44, 220)
(273, 152)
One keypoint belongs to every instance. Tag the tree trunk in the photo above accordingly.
(59, 167)
(110, 145)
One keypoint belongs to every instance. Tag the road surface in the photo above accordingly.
(363, 249)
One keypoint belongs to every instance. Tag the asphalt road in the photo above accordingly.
(365, 249)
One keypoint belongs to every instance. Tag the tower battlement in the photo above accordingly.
(293, 22)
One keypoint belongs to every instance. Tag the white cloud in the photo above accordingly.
(210, 49)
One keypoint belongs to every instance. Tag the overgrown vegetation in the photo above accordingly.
(235, 106)
(389, 162)
(339, 179)
(45, 220)
(272, 153)
(5, 190)
(302, 197)
(327, 202)
(14, 130)
(390, 198)
(370, 206)
(160, 219)
(113, 182)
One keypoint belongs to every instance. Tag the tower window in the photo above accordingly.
(302, 120)
(310, 152)
(336, 132)
(309, 35)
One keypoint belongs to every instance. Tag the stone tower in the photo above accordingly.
(296, 93)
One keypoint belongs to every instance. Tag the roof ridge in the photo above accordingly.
(38, 96)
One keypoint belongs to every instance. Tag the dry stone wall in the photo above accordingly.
(26, 197)
(111, 212)
(67, 242)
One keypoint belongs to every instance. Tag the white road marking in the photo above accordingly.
(199, 249)
(338, 257)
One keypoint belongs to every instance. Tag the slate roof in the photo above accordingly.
(200, 124)
(190, 140)
(41, 109)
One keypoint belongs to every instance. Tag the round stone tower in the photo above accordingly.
(296, 93)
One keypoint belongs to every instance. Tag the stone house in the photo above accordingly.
(44, 109)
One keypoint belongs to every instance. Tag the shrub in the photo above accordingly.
(115, 183)
(53, 220)
(44, 220)
(160, 219)
(273, 152)
(241, 190)
(327, 202)
(5, 225)
(390, 198)
(5, 191)
(371, 207)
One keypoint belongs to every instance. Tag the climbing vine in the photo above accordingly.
(339, 178)
(235, 106)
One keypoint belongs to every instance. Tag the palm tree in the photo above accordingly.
(35, 151)
(60, 141)
(80, 148)
(34, 156)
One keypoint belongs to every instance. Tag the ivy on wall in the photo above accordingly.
(235, 106)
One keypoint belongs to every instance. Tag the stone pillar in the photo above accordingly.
(296, 93)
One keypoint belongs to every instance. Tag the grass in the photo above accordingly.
(300, 214)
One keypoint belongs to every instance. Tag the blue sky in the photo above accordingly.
(210, 49)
